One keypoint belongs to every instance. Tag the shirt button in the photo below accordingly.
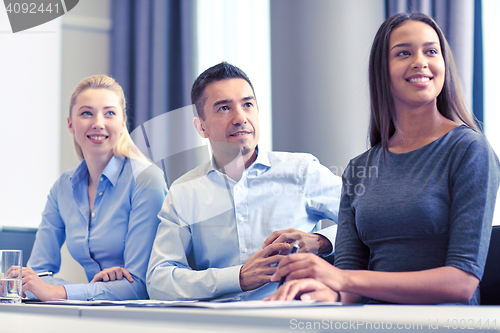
(242, 218)
(101, 179)
(238, 298)
(100, 193)
(93, 214)
(245, 250)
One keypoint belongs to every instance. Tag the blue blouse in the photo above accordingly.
(120, 231)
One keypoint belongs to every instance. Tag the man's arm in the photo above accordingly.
(259, 268)
(322, 191)
(312, 243)
(169, 275)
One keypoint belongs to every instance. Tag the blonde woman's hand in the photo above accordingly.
(43, 291)
(112, 274)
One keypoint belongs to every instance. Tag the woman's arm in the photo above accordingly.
(46, 253)
(51, 234)
(43, 291)
(433, 286)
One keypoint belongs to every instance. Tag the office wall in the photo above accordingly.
(319, 53)
(85, 51)
(30, 84)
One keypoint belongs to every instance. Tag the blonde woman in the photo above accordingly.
(105, 209)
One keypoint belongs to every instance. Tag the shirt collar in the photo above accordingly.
(81, 173)
(262, 159)
(114, 168)
(111, 171)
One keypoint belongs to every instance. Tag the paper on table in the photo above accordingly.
(74, 302)
(232, 305)
(195, 304)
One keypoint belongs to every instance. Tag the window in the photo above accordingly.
(491, 49)
(239, 32)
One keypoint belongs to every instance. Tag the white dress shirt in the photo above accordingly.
(219, 223)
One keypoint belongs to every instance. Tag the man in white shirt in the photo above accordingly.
(236, 216)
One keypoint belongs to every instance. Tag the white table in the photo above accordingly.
(362, 318)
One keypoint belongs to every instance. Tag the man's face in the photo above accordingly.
(231, 118)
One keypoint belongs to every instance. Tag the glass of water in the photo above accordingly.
(11, 283)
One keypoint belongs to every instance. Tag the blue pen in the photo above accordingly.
(294, 249)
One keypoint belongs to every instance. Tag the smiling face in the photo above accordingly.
(97, 121)
(416, 64)
(231, 119)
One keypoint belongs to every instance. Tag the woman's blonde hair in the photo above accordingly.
(125, 146)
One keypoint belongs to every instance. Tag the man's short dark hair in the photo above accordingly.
(216, 73)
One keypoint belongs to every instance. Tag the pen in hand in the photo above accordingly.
(44, 274)
(294, 249)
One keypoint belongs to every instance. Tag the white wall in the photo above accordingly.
(320, 53)
(30, 88)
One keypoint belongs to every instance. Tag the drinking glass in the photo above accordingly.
(11, 276)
